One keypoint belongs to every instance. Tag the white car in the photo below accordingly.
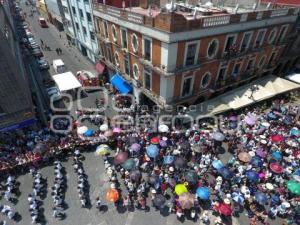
(53, 94)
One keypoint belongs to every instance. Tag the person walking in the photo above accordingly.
(60, 51)
(57, 51)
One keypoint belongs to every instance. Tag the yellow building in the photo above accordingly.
(41, 5)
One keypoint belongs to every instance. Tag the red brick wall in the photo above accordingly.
(155, 83)
(156, 52)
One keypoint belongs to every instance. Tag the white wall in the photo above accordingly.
(169, 56)
(167, 87)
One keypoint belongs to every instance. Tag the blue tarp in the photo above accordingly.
(120, 84)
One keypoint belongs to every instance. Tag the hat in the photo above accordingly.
(171, 169)
(226, 201)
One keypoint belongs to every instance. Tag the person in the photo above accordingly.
(57, 51)
(98, 203)
(204, 217)
(60, 51)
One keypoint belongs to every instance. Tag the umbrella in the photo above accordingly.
(163, 128)
(154, 140)
(169, 159)
(250, 120)
(163, 143)
(244, 157)
(180, 189)
(233, 118)
(296, 177)
(108, 133)
(153, 179)
(276, 168)
(265, 124)
(104, 127)
(152, 151)
(186, 200)
(132, 140)
(217, 164)
(224, 209)
(261, 153)
(277, 155)
(129, 164)
(238, 197)
(218, 136)
(135, 147)
(225, 173)
(81, 130)
(102, 149)
(40, 147)
(179, 162)
(88, 133)
(159, 200)
(252, 175)
(272, 116)
(191, 177)
(117, 130)
(256, 161)
(276, 138)
(120, 158)
(261, 198)
(294, 132)
(294, 187)
(135, 175)
(203, 193)
(112, 195)
(233, 124)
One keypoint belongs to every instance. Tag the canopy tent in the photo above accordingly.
(120, 84)
(265, 88)
(66, 81)
(294, 77)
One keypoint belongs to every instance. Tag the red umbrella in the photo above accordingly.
(120, 158)
(276, 168)
(276, 138)
(155, 140)
(224, 209)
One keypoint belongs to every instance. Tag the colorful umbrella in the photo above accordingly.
(120, 158)
(186, 200)
(218, 136)
(225, 173)
(159, 200)
(102, 149)
(252, 175)
(155, 140)
(233, 124)
(89, 133)
(135, 147)
(217, 164)
(294, 187)
(117, 130)
(238, 197)
(276, 168)
(104, 127)
(257, 162)
(261, 198)
(294, 132)
(169, 159)
(129, 164)
(112, 195)
(163, 143)
(233, 118)
(272, 116)
(163, 128)
(152, 151)
(203, 193)
(244, 157)
(180, 189)
(191, 177)
(250, 120)
(277, 138)
(224, 209)
(81, 130)
(108, 133)
(277, 155)
(261, 153)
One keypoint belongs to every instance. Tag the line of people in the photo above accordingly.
(10, 187)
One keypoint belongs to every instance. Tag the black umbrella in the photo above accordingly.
(191, 177)
(159, 200)
(179, 162)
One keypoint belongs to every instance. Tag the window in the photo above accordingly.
(80, 13)
(126, 64)
(136, 72)
(222, 73)
(205, 80)
(73, 10)
(92, 35)
(88, 16)
(114, 32)
(250, 64)
(212, 48)
(272, 36)
(77, 26)
(117, 59)
(134, 43)
(259, 38)
(65, 9)
(84, 30)
(246, 41)
(190, 54)
(147, 48)
(147, 78)
(262, 61)
(282, 33)
(272, 58)
(106, 29)
(124, 38)
(187, 85)
(229, 43)
(109, 54)
(236, 69)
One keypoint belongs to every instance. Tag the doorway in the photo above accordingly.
(83, 50)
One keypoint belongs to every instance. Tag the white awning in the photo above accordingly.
(66, 81)
(294, 77)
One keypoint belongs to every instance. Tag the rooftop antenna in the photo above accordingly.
(236, 9)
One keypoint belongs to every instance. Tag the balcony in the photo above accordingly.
(232, 54)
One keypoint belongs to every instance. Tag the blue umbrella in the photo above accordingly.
(256, 161)
(225, 173)
(277, 155)
(217, 164)
(294, 132)
(238, 197)
(203, 193)
(152, 151)
(88, 133)
(169, 159)
(272, 116)
(252, 175)
(261, 198)
(233, 124)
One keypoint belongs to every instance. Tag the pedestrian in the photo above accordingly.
(57, 51)
(60, 51)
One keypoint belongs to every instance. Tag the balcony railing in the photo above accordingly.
(233, 80)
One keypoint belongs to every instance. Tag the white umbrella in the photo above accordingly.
(265, 124)
(82, 130)
(163, 128)
(104, 127)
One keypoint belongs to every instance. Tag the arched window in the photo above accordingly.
(134, 43)
(114, 33)
(212, 48)
(205, 80)
(136, 71)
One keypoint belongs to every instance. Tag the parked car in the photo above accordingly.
(37, 53)
(43, 64)
(53, 94)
